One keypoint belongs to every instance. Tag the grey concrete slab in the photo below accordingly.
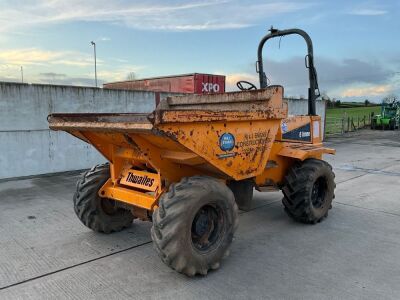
(40, 233)
(362, 152)
(351, 255)
(354, 254)
(378, 190)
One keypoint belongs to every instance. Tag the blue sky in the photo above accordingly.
(356, 43)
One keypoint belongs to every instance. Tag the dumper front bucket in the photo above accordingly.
(226, 135)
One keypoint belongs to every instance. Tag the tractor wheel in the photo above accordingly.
(194, 224)
(99, 214)
(309, 191)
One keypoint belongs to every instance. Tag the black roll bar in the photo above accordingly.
(313, 91)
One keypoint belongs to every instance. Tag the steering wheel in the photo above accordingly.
(250, 87)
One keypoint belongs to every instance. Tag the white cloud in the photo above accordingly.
(39, 66)
(35, 56)
(346, 78)
(368, 9)
(175, 15)
(368, 12)
(366, 90)
(118, 74)
(30, 56)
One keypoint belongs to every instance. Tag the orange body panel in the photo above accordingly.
(231, 136)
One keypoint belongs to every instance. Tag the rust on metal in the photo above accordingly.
(302, 152)
(184, 116)
(234, 106)
(100, 122)
(229, 136)
(231, 97)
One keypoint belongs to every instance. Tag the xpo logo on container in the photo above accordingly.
(209, 87)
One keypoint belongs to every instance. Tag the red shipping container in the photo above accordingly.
(187, 83)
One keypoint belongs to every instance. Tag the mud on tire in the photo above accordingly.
(309, 190)
(194, 225)
(99, 214)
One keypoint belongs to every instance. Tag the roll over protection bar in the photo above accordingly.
(313, 91)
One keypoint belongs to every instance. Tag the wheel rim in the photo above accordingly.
(318, 192)
(207, 227)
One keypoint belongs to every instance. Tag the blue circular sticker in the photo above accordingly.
(227, 142)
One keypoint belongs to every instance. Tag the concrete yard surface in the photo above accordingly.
(46, 253)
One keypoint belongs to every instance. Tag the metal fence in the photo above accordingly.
(341, 125)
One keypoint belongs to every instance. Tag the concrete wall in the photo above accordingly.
(300, 107)
(28, 147)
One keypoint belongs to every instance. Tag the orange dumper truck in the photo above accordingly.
(191, 163)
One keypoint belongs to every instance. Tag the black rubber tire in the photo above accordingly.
(299, 186)
(173, 221)
(89, 207)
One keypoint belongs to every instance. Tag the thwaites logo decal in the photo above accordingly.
(141, 180)
(302, 133)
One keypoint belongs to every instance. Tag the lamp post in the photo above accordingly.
(22, 74)
(95, 63)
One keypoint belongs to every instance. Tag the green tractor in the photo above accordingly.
(389, 117)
